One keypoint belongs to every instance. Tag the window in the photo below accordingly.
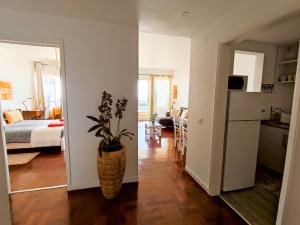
(52, 91)
(162, 95)
(143, 98)
(154, 95)
(249, 64)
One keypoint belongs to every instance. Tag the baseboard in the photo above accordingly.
(96, 184)
(130, 179)
(197, 179)
(83, 186)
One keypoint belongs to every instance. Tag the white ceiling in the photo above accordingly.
(32, 53)
(165, 16)
(281, 32)
(156, 16)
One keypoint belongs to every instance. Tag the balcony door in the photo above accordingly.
(161, 95)
(154, 95)
(144, 98)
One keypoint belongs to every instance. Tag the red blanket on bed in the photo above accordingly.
(61, 124)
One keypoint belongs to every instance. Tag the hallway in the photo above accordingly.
(165, 194)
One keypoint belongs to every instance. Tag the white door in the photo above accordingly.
(241, 154)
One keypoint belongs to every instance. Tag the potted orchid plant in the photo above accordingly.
(111, 157)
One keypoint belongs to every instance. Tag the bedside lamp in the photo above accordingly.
(24, 102)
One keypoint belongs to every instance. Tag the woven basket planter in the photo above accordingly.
(111, 169)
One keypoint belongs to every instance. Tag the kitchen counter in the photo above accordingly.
(277, 124)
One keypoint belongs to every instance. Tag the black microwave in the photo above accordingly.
(237, 83)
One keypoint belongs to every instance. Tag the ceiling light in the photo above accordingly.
(185, 13)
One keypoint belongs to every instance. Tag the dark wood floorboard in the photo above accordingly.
(45, 170)
(165, 195)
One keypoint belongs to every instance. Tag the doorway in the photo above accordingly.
(259, 201)
(34, 116)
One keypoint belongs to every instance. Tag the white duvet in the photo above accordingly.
(45, 136)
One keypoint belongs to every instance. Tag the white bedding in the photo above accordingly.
(45, 136)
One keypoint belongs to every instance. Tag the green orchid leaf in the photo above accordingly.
(94, 128)
(107, 131)
(122, 131)
(94, 119)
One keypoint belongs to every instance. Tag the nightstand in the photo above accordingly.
(33, 114)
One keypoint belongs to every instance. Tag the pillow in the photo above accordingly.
(4, 122)
(184, 114)
(13, 116)
(182, 109)
(175, 113)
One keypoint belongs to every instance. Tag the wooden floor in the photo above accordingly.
(258, 205)
(165, 195)
(45, 170)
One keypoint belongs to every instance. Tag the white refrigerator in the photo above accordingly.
(244, 114)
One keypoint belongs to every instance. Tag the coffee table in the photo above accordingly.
(153, 130)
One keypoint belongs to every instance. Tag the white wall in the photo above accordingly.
(202, 88)
(204, 154)
(167, 53)
(18, 70)
(98, 56)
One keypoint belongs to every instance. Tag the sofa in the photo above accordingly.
(167, 121)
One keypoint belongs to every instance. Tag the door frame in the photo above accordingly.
(43, 43)
(225, 67)
(292, 147)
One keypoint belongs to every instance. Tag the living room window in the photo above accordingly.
(144, 98)
(154, 95)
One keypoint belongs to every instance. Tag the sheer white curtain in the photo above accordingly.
(162, 95)
(40, 101)
(48, 87)
(154, 95)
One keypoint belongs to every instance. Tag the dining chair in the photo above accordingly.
(184, 129)
(177, 132)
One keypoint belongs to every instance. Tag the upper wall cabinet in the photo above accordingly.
(287, 60)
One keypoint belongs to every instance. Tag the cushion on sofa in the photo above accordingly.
(175, 113)
(184, 114)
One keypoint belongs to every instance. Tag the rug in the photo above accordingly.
(21, 158)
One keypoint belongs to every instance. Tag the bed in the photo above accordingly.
(34, 134)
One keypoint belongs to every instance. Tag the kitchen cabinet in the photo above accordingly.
(287, 59)
(272, 147)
